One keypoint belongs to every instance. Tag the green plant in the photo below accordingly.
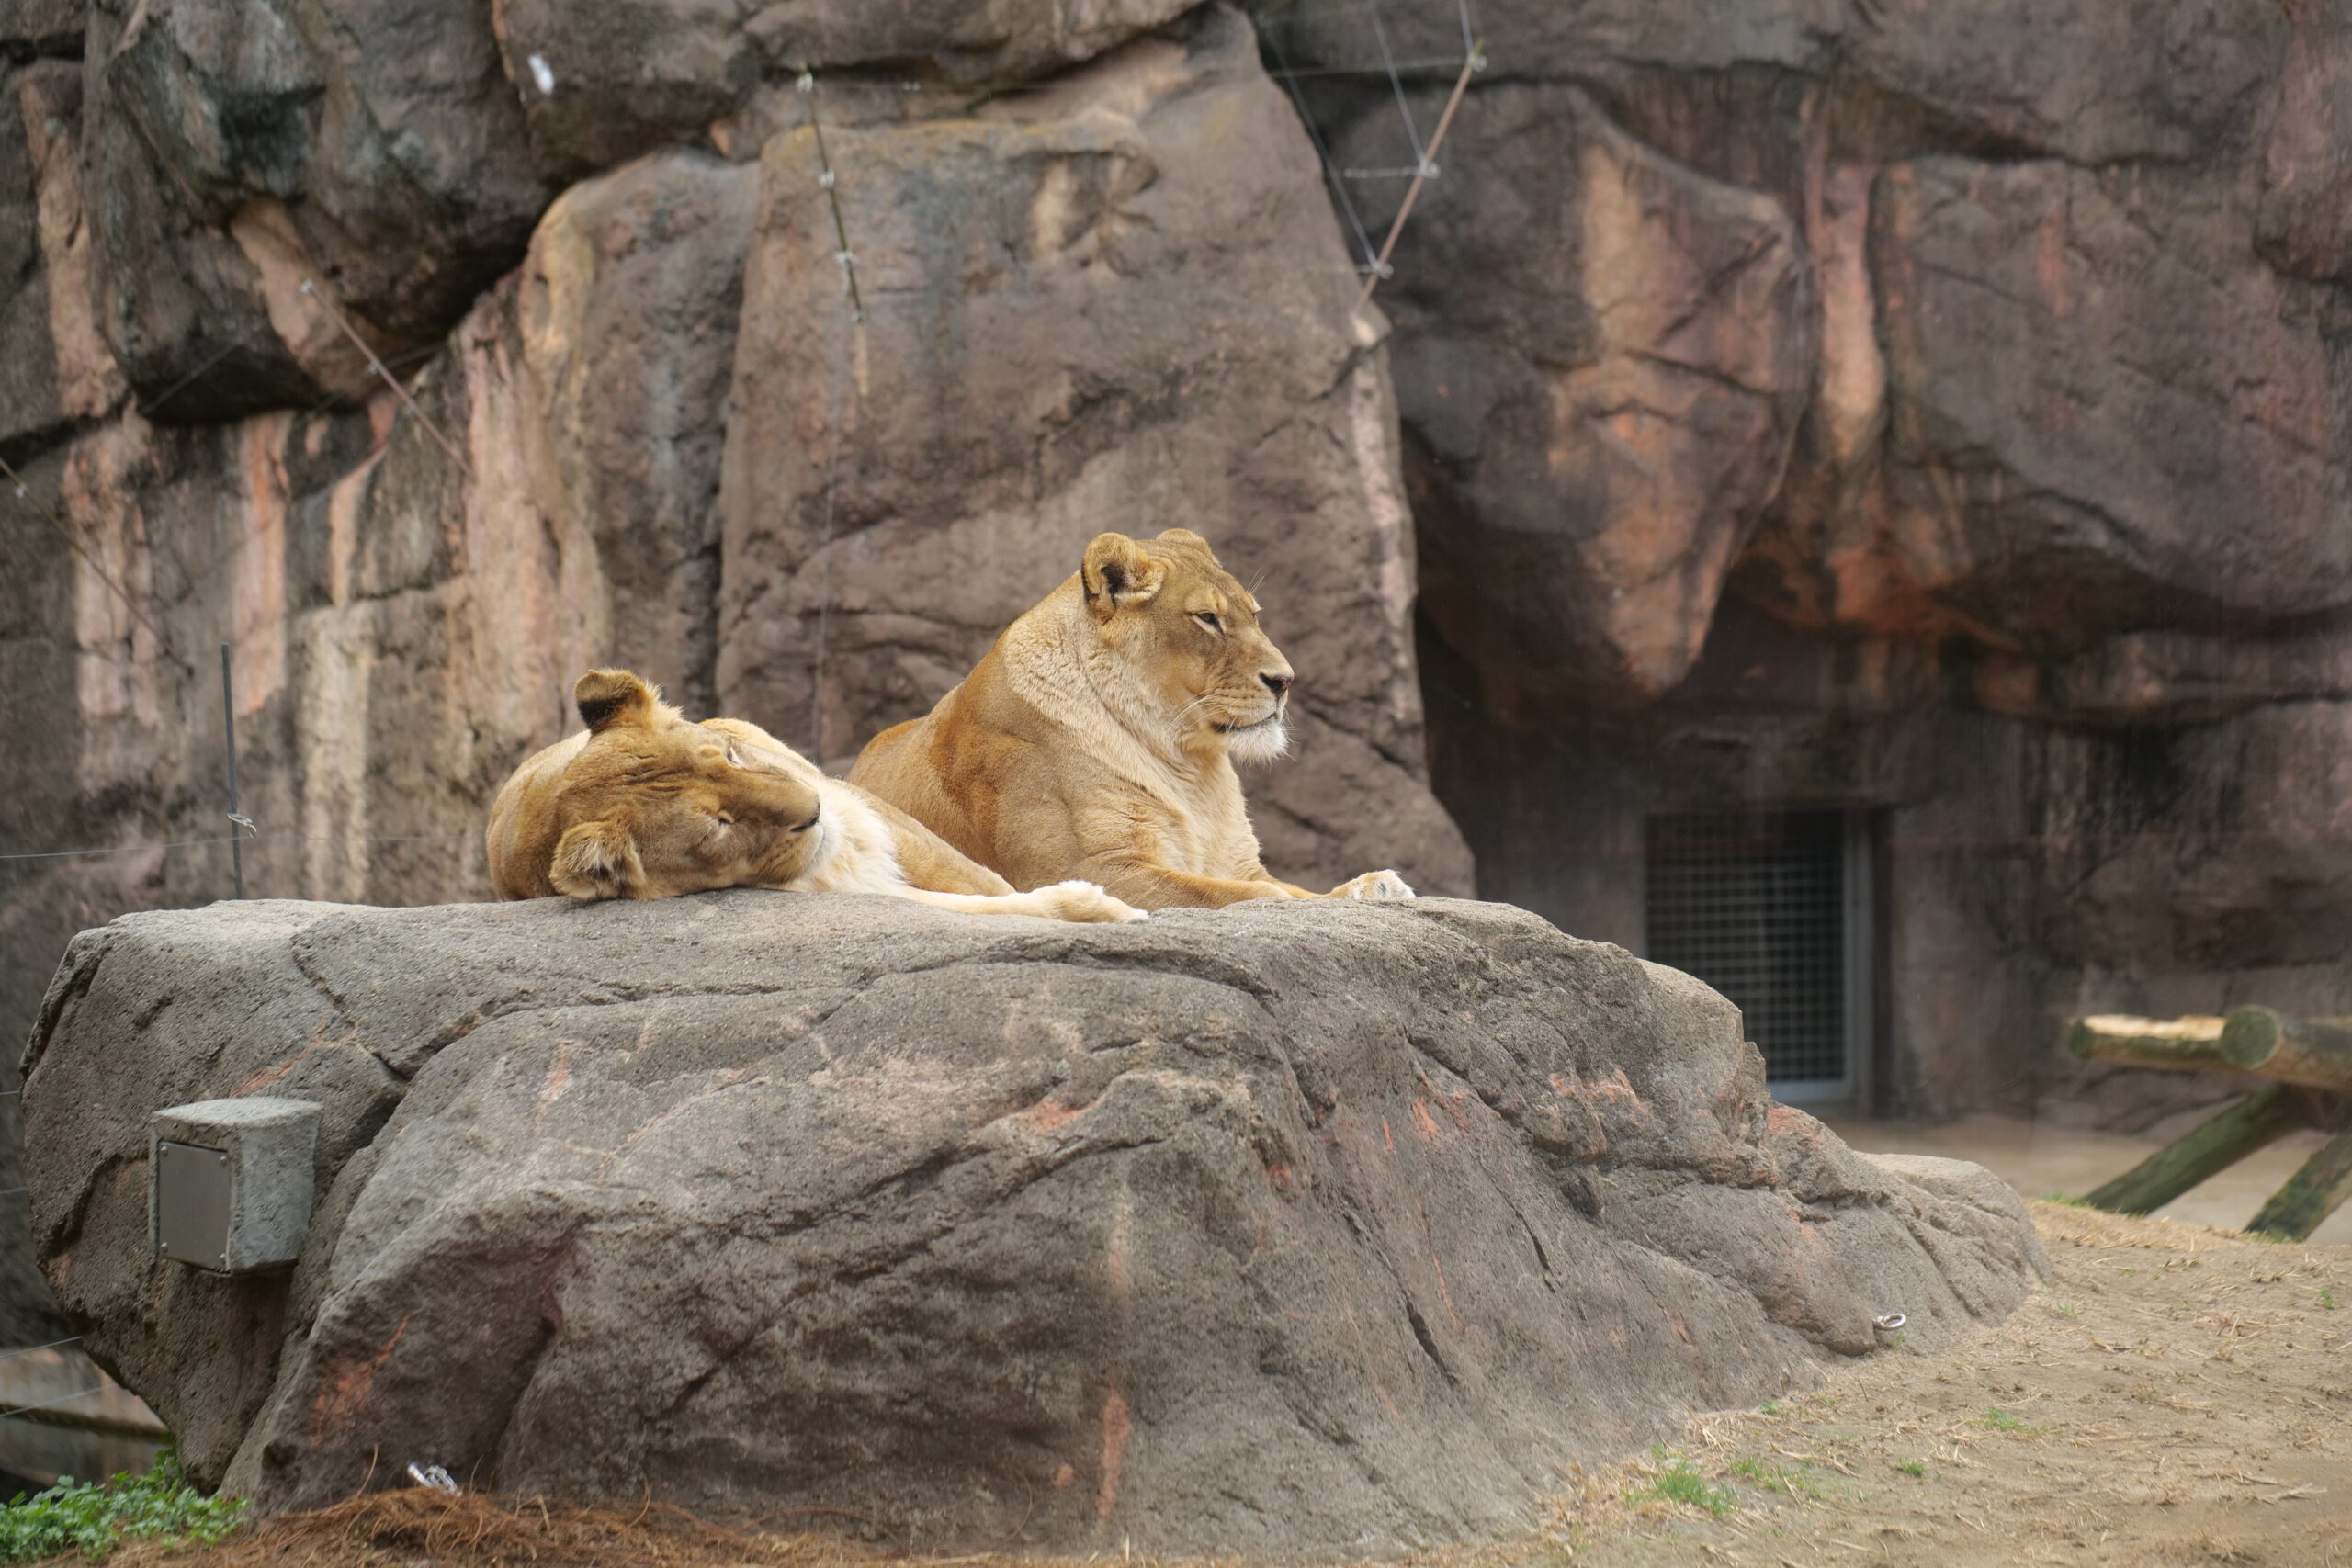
(1770, 1407)
(2062, 1198)
(2001, 1420)
(1913, 1467)
(2066, 1309)
(1794, 1480)
(2327, 1300)
(94, 1518)
(1676, 1482)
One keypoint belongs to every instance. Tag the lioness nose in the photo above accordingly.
(1277, 684)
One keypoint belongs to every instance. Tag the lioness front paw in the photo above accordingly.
(1376, 887)
(1086, 901)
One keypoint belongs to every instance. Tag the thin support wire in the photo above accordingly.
(148, 410)
(1397, 86)
(831, 187)
(1380, 267)
(830, 183)
(825, 569)
(1322, 152)
(237, 819)
(29, 1350)
(73, 542)
(311, 288)
(61, 1399)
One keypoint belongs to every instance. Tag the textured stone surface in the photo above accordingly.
(2082, 374)
(1119, 305)
(1603, 356)
(1274, 1229)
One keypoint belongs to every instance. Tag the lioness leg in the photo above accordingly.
(1081, 901)
(1376, 887)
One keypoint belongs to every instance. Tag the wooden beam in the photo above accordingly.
(2258, 1120)
(2311, 1194)
(2313, 1052)
(2184, 1044)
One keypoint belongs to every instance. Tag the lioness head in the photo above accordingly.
(1189, 631)
(653, 806)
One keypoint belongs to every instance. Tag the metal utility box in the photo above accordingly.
(230, 1187)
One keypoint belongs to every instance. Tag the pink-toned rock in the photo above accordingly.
(2304, 223)
(2085, 372)
(1117, 305)
(1601, 357)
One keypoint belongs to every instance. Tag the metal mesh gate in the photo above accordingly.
(1756, 904)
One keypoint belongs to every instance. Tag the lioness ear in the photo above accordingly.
(607, 697)
(597, 859)
(1117, 575)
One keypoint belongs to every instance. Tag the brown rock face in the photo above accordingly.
(2304, 224)
(384, 131)
(2084, 372)
(1088, 311)
(2049, 589)
(1604, 382)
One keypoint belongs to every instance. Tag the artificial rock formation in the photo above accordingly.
(1959, 440)
(410, 591)
(1933, 408)
(1280, 1229)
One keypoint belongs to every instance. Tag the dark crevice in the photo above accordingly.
(1428, 1343)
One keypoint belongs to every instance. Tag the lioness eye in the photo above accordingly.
(723, 819)
(1208, 621)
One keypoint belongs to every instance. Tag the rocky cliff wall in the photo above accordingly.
(1936, 410)
(641, 422)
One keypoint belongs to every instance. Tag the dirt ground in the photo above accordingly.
(2174, 1396)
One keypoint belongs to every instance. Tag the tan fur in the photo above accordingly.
(1097, 737)
(646, 805)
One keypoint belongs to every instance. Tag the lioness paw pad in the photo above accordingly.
(1376, 887)
(1088, 901)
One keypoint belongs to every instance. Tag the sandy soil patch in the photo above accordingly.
(2174, 1396)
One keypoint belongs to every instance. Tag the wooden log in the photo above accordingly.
(2260, 1119)
(2184, 1044)
(2311, 1194)
(2313, 1052)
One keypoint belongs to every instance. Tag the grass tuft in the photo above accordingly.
(1676, 1482)
(94, 1518)
(1794, 1480)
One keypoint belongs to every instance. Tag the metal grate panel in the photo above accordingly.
(1754, 904)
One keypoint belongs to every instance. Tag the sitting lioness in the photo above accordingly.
(1097, 737)
(645, 804)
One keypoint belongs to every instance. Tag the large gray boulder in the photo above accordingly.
(1299, 1228)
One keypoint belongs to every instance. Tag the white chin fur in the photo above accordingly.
(1260, 742)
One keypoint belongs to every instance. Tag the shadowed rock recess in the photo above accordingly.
(1301, 1229)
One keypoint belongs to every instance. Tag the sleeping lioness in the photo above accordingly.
(1097, 737)
(645, 804)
